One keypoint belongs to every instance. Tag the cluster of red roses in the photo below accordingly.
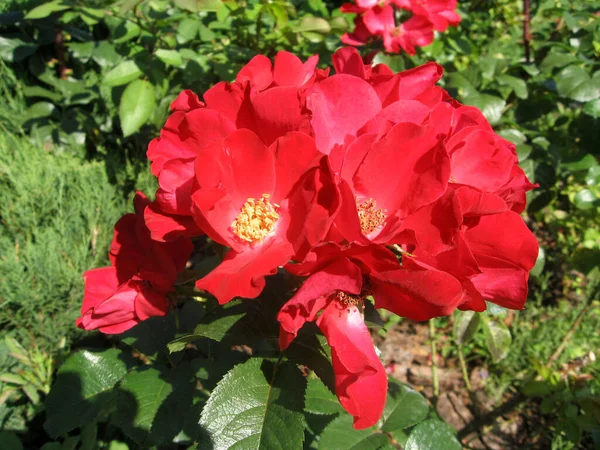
(376, 19)
(366, 182)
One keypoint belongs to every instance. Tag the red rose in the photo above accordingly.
(266, 203)
(336, 288)
(113, 308)
(117, 298)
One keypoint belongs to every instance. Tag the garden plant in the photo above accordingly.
(285, 224)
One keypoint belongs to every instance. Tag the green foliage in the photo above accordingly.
(76, 59)
(257, 405)
(84, 389)
(57, 215)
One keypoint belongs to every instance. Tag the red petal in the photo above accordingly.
(243, 274)
(186, 101)
(311, 208)
(340, 106)
(150, 303)
(360, 378)
(258, 71)
(406, 170)
(483, 161)
(341, 275)
(295, 153)
(175, 186)
(505, 237)
(226, 98)
(501, 282)
(168, 227)
(288, 70)
(277, 111)
(100, 284)
(416, 294)
(348, 60)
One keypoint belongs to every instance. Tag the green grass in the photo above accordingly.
(57, 214)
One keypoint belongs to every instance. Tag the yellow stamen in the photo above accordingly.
(371, 217)
(349, 299)
(256, 220)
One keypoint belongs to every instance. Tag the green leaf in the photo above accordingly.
(491, 106)
(40, 110)
(105, 54)
(153, 401)
(199, 5)
(464, 88)
(256, 405)
(498, 338)
(516, 84)
(320, 400)
(91, 16)
(574, 82)
(188, 30)
(404, 407)
(465, 325)
(339, 434)
(587, 91)
(82, 50)
(124, 73)
(585, 199)
(136, 107)
(10, 441)
(171, 57)
(539, 263)
(592, 108)
(45, 9)
(12, 378)
(582, 164)
(38, 91)
(15, 50)
(592, 178)
(394, 62)
(151, 336)
(513, 135)
(432, 434)
(312, 24)
(557, 60)
(84, 387)
(217, 326)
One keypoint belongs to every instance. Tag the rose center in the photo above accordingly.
(349, 299)
(256, 220)
(370, 215)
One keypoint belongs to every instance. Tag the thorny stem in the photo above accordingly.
(434, 366)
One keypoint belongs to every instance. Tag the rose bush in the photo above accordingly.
(361, 184)
(378, 20)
